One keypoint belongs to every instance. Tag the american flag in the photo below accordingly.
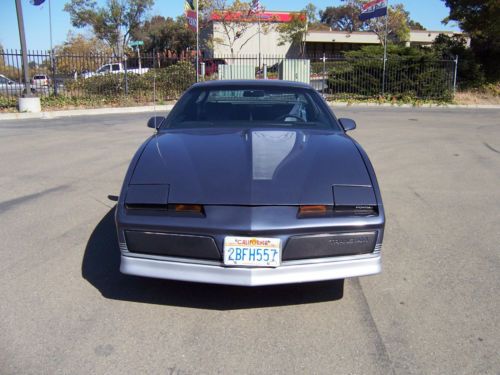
(372, 9)
(255, 7)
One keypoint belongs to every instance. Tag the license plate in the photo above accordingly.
(252, 251)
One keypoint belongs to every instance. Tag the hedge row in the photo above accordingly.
(419, 78)
(170, 83)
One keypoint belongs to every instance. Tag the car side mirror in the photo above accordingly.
(347, 124)
(155, 122)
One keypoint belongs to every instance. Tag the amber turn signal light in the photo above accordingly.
(315, 210)
(191, 208)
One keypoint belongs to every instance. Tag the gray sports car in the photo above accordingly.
(250, 183)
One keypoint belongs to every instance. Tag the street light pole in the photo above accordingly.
(22, 38)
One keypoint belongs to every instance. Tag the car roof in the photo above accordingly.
(252, 83)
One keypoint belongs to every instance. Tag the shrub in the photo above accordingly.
(7, 102)
(173, 80)
(410, 72)
(170, 83)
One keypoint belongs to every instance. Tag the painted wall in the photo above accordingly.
(248, 43)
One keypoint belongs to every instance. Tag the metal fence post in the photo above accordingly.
(126, 77)
(53, 64)
(455, 75)
(383, 74)
(324, 73)
(265, 71)
(202, 70)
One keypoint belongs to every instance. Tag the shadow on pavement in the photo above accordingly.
(101, 263)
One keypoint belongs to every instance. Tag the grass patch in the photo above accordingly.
(486, 94)
(389, 99)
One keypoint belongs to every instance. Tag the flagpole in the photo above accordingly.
(197, 42)
(385, 48)
(50, 26)
(259, 45)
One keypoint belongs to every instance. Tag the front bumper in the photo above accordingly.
(145, 257)
(287, 273)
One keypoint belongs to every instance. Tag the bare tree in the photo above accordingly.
(236, 18)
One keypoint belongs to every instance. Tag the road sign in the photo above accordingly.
(136, 43)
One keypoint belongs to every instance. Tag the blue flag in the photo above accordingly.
(37, 2)
(373, 9)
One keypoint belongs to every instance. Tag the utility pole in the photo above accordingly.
(22, 38)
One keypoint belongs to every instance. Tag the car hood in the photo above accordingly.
(250, 167)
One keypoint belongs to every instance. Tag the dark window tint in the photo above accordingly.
(250, 106)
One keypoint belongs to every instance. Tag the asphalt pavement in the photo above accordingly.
(435, 308)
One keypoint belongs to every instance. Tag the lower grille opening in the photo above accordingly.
(329, 245)
(175, 245)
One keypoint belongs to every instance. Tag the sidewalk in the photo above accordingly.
(84, 112)
(168, 107)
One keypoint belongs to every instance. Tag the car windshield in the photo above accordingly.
(103, 69)
(250, 106)
(39, 77)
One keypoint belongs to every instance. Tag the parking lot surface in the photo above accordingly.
(66, 309)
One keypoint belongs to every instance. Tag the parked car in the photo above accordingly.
(270, 69)
(10, 87)
(114, 68)
(40, 81)
(250, 183)
(212, 66)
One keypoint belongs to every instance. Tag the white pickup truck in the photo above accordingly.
(114, 68)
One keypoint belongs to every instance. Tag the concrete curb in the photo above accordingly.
(84, 112)
(168, 107)
(428, 105)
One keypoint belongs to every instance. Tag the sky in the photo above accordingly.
(36, 18)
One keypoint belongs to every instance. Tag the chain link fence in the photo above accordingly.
(102, 76)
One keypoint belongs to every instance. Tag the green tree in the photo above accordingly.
(294, 31)
(2, 59)
(343, 17)
(79, 53)
(112, 23)
(312, 13)
(398, 30)
(479, 18)
(346, 18)
(7, 70)
(166, 34)
(414, 25)
(469, 71)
